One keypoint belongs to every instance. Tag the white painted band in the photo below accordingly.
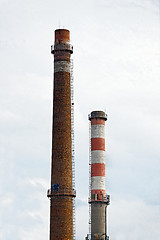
(97, 183)
(97, 131)
(62, 66)
(98, 156)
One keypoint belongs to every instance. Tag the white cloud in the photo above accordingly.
(82, 222)
(130, 219)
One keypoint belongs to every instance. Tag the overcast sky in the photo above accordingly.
(116, 69)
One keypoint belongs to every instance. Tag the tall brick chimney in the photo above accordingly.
(61, 193)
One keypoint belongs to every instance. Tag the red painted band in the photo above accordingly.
(97, 144)
(95, 121)
(98, 169)
(98, 191)
(62, 35)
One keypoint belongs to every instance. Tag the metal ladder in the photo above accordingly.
(89, 177)
(73, 151)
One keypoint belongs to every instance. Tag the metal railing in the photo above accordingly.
(89, 116)
(97, 237)
(62, 47)
(61, 192)
(105, 198)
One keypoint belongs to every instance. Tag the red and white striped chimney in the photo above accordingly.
(98, 119)
(98, 198)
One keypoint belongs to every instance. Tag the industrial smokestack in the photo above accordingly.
(98, 199)
(61, 193)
